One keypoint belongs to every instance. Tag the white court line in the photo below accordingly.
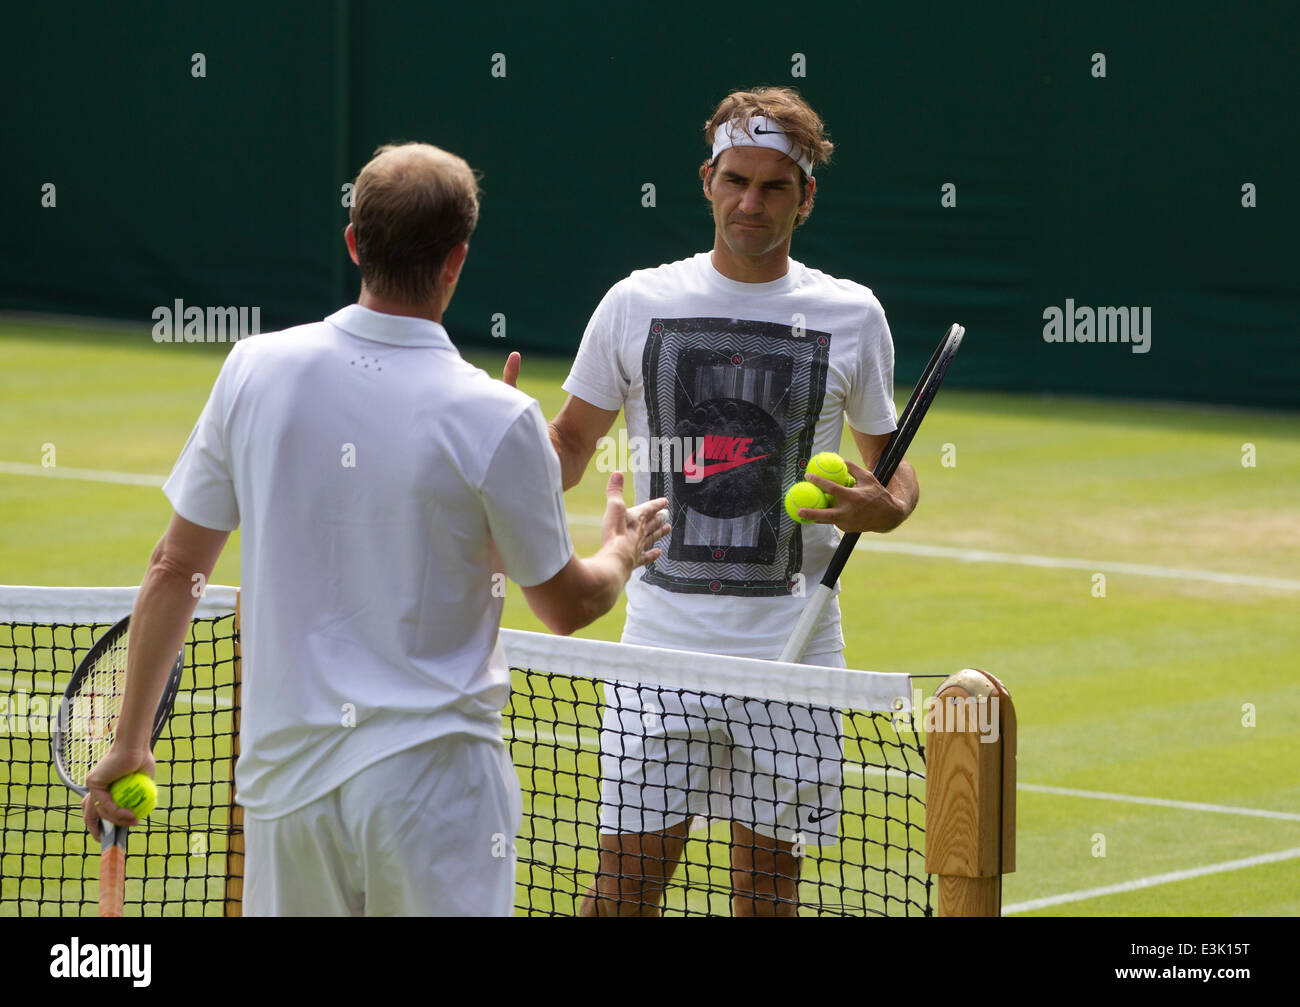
(855, 768)
(195, 700)
(1046, 562)
(202, 700)
(1160, 802)
(1151, 882)
(1067, 563)
(86, 475)
(871, 544)
(567, 738)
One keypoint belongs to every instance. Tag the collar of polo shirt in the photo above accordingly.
(398, 330)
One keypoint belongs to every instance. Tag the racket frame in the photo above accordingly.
(112, 856)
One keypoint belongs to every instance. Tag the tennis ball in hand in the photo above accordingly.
(804, 494)
(830, 466)
(135, 792)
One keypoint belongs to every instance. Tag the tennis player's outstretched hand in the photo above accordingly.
(585, 589)
(631, 532)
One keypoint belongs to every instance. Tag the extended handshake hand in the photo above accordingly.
(632, 532)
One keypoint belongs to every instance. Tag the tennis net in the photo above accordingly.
(187, 857)
(807, 756)
(813, 758)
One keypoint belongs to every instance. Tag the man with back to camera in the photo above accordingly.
(377, 477)
(760, 359)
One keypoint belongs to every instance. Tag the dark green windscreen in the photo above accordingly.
(1117, 191)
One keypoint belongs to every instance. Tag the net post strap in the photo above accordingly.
(970, 792)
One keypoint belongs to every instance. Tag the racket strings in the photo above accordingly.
(92, 713)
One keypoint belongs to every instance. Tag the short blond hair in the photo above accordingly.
(785, 107)
(412, 204)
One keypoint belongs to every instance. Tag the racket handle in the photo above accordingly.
(808, 619)
(112, 869)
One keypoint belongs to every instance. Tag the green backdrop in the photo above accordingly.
(1123, 190)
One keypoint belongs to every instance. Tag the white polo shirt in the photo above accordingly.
(371, 469)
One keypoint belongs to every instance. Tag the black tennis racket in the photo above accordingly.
(84, 731)
(909, 421)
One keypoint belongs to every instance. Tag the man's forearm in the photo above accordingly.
(905, 488)
(608, 573)
(160, 620)
(573, 460)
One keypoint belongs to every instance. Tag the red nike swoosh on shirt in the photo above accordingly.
(693, 471)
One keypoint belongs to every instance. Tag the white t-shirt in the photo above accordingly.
(738, 385)
(372, 470)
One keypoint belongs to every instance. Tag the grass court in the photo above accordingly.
(1130, 580)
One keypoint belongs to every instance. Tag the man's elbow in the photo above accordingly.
(556, 606)
(894, 524)
(575, 614)
(560, 623)
(163, 563)
(167, 567)
(572, 454)
(906, 512)
(568, 602)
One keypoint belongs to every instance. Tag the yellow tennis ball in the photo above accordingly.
(830, 466)
(804, 494)
(135, 792)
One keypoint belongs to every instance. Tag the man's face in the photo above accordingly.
(755, 197)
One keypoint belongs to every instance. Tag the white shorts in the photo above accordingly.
(429, 831)
(667, 756)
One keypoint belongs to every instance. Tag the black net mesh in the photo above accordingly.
(820, 811)
(177, 862)
(820, 834)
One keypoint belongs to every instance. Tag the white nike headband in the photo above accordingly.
(763, 132)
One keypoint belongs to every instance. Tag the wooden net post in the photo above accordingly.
(970, 800)
(235, 813)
